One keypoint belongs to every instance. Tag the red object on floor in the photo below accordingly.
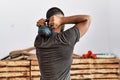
(93, 56)
(89, 54)
(85, 56)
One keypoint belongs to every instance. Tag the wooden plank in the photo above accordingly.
(3, 69)
(3, 79)
(85, 71)
(35, 78)
(79, 77)
(105, 79)
(105, 66)
(15, 63)
(95, 76)
(93, 71)
(32, 57)
(19, 78)
(35, 68)
(15, 74)
(34, 63)
(105, 75)
(35, 73)
(112, 60)
(98, 66)
(105, 71)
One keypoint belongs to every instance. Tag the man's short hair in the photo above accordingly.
(53, 11)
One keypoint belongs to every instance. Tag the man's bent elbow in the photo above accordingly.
(88, 18)
(83, 27)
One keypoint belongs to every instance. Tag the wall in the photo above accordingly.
(18, 23)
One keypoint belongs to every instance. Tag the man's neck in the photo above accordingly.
(56, 30)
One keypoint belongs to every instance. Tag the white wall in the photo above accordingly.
(18, 19)
(114, 9)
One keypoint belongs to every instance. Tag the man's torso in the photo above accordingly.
(55, 54)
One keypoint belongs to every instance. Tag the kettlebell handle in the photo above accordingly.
(47, 20)
(45, 31)
(51, 27)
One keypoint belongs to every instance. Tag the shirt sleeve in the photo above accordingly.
(71, 35)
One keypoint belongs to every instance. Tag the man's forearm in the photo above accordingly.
(75, 19)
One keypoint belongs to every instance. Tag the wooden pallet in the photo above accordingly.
(15, 70)
(87, 69)
(81, 69)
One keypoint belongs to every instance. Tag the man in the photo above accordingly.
(55, 53)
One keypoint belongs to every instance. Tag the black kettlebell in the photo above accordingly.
(45, 31)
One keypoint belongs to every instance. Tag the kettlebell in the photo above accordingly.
(45, 31)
